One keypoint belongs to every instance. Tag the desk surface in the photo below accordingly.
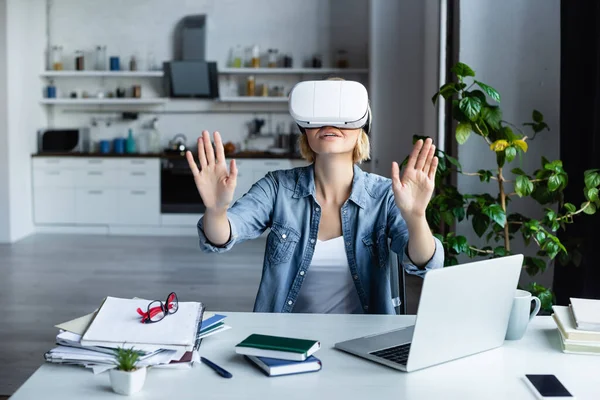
(494, 374)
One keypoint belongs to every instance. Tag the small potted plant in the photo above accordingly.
(127, 378)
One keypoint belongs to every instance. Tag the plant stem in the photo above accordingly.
(503, 204)
(514, 126)
(480, 250)
(474, 174)
(575, 213)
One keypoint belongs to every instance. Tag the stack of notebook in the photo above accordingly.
(276, 355)
(579, 326)
(91, 341)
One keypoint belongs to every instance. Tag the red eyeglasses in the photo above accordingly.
(157, 310)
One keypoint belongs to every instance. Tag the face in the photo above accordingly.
(329, 140)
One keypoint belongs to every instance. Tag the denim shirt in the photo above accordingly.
(285, 202)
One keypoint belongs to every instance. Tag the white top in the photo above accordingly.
(491, 375)
(328, 287)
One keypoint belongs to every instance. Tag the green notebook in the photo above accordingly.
(282, 348)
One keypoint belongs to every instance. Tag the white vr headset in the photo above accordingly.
(343, 104)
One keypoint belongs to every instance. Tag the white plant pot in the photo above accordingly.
(127, 383)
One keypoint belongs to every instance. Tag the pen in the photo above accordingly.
(214, 366)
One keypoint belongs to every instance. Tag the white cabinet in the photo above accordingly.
(96, 191)
(96, 206)
(53, 205)
(251, 171)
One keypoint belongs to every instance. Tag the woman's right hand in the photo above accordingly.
(215, 184)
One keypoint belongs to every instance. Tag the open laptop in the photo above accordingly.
(464, 310)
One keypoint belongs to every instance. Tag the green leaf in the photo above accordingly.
(478, 94)
(462, 70)
(463, 131)
(518, 171)
(496, 214)
(545, 295)
(500, 251)
(570, 207)
(459, 213)
(590, 209)
(592, 180)
(511, 153)
(523, 186)
(490, 91)
(471, 106)
(534, 265)
(500, 158)
(592, 194)
(480, 224)
(453, 161)
(462, 245)
(554, 182)
(540, 236)
(485, 175)
(448, 217)
(537, 116)
(492, 115)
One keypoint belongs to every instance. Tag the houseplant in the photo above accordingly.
(127, 378)
(476, 112)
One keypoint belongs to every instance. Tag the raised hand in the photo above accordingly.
(215, 184)
(413, 190)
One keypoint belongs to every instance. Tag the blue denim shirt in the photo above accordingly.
(285, 202)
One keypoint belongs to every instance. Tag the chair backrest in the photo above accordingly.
(397, 283)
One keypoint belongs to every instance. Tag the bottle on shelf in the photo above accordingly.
(133, 63)
(100, 58)
(236, 57)
(255, 56)
(154, 137)
(273, 55)
(250, 85)
(79, 60)
(56, 57)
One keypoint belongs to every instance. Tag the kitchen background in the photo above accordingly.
(146, 30)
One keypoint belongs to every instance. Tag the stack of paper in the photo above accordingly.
(91, 341)
(574, 339)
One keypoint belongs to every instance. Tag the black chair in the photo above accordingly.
(398, 284)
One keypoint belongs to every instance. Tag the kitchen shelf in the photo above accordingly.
(292, 71)
(102, 74)
(94, 101)
(254, 99)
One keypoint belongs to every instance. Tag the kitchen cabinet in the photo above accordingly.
(96, 191)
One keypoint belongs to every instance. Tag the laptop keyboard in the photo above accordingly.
(396, 354)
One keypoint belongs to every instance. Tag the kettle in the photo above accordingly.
(177, 144)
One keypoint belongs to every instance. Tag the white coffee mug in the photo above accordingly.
(520, 314)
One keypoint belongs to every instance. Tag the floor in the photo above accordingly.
(49, 279)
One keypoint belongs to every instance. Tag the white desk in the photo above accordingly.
(494, 374)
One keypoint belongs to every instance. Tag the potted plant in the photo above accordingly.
(475, 114)
(127, 378)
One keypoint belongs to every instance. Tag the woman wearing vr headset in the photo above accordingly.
(330, 222)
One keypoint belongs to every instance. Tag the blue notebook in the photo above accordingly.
(277, 367)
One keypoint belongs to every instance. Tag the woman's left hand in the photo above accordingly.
(413, 190)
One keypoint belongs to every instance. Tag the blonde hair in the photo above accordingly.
(362, 150)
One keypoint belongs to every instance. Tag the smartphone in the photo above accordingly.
(548, 387)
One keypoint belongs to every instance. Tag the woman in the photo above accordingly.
(330, 222)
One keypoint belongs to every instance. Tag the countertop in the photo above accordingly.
(244, 154)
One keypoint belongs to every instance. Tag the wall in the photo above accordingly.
(404, 68)
(514, 46)
(26, 30)
(301, 28)
(4, 202)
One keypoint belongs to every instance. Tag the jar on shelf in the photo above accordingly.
(236, 57)
(341, 59)
(255, 56)
(100, 58)
(79, 60)
(56, 58)
(273, 56)
(317, 62)
(133, 63)
(250, 86)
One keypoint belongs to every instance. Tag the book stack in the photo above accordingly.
(579, 326)
(277, 355)
(91, 341)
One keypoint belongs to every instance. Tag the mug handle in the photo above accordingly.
(537, 307)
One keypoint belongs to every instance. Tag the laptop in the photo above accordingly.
(463, 310)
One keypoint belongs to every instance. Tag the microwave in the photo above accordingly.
(67, 140)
